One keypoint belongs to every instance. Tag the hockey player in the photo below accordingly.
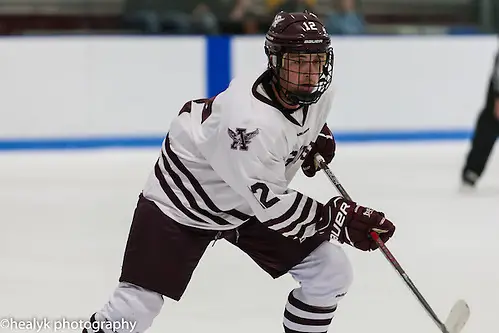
(223, 173)
(485, 135)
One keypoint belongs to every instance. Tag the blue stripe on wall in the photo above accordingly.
(155, 141)
(80, 143)
(218, 64)
(393, 136)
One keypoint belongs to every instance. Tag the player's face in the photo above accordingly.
(301, 72)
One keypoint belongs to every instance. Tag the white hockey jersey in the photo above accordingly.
(231, 157)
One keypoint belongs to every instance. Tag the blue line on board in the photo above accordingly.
(80, 143)
(155, 141)
(218, 64)
(397, 136)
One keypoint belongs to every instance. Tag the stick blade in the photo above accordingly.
(458, 316)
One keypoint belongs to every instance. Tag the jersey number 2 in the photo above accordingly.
(264, 196)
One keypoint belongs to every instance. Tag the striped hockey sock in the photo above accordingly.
(303, 318)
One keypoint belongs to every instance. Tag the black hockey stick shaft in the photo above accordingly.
(386, 252)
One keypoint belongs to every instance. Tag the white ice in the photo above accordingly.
(65, 219)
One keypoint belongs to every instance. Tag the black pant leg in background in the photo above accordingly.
(484, 137)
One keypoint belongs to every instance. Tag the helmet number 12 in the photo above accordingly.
(309, 26)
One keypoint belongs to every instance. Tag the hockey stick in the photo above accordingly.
(460, 311)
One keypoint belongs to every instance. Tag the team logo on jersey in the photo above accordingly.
(241, 139)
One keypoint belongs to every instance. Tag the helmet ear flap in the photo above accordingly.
(267, 51)
(328, 67)
(277, 59)
(274, 60)
(271, 57)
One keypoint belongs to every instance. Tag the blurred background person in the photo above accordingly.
(173, 17)
(242, 16)
(291, 5)
(227, 17)
(345, 20)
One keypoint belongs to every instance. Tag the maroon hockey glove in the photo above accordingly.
(351, 223)
(324, 145)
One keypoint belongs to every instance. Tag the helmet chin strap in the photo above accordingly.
(292, 100)
(282, 99)
(280, 93)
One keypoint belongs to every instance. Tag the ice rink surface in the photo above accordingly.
(65, 218)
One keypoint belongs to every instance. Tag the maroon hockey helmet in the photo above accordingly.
(300, 57)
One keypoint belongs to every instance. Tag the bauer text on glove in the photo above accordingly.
(351, 223)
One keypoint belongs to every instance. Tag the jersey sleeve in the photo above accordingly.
(245, 159)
